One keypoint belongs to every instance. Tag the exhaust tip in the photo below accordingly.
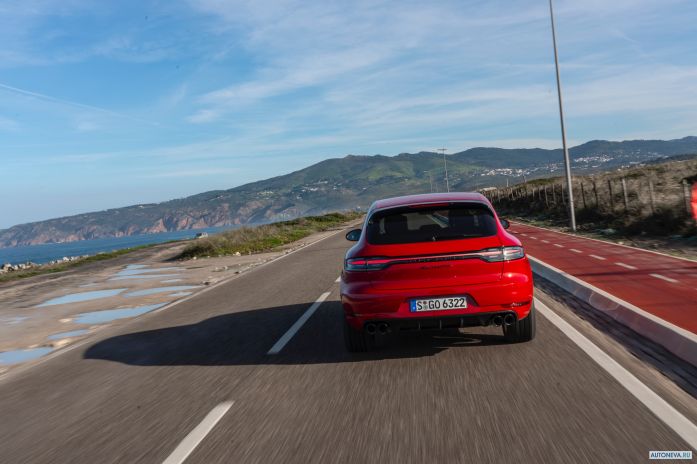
(383, 328)
(509, 319)
(370, 328)
(498, 320)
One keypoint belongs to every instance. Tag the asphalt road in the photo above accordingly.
(199, 373)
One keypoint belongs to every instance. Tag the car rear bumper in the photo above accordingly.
(362, 303)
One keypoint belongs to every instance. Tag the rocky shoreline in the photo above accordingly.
(9, 267)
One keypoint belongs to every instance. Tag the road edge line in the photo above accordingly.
(670, 416)
(677, 340)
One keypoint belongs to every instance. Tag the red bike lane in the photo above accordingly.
(662, 285)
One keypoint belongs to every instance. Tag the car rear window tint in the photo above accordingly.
(431, 223)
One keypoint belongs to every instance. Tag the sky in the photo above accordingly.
(108, 104)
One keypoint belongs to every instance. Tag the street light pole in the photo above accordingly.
(445, 164)
(567, 165)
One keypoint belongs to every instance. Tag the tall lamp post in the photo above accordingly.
(567, 165)
(430, 179)
(445, 165)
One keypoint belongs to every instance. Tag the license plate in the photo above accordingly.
(438, 304)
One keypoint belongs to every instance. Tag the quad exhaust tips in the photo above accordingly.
(381, 327)
(508, 319)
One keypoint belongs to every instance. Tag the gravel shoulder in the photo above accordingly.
(41, 314)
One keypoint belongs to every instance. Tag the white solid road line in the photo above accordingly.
(196, 436)
(662, 277)
(575, 250)
(278, 346)
(657, 405)
(557, 245)
(545, 241)
(628, 266)
(597, 257)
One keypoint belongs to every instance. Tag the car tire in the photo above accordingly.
(522, 330)
(356, 340)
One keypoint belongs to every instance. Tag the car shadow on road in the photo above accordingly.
(245, 337)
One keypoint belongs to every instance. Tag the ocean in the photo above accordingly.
(44, 253)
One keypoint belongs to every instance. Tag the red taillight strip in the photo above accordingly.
(489, 255)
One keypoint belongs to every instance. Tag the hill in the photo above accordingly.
(339, 184)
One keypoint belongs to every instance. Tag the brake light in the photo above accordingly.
(494, 255)
(365, 264)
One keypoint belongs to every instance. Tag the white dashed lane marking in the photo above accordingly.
(597, 257)
(278, 346)
(627, 266)
(575, 250)
(545, 241)
(196, 436)
(557, 245)
(662, 277)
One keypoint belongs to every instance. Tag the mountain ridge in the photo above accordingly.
(350, 182)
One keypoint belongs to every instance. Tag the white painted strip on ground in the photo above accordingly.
(657, 405)
(606, 242)
(534, 238)
(338, 279)
(5, 376)
(557, 245)
(628, 266)
(679, 341)
(662, 277)
(545, 241)
(575, 250)
(196, 436)
(278, 346)
(597, 257)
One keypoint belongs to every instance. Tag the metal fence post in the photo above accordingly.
(686, 194)
(583, 196)
(624, 194)
(612, 197)
(595, 193)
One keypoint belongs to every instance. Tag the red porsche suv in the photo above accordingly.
(435, 261)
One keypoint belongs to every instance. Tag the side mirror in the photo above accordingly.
(354, 235)
(505, 223)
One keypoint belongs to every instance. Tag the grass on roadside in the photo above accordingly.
(264, 237)
(64, 266)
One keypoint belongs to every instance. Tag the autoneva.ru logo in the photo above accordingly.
(670, 454)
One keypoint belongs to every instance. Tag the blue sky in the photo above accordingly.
(106, 104)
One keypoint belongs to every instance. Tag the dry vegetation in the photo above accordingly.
(265, 237)
(601, 203)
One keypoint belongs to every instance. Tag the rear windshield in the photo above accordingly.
(430, 223)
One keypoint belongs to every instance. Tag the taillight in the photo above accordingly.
(494, 255)
(365, 264)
